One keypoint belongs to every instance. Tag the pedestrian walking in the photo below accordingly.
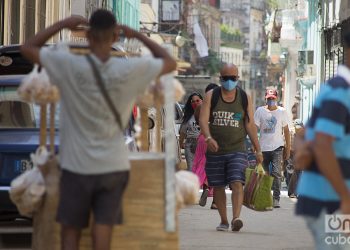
(189, 129)
(93, 155)
(324, 186)
(292, 175)
(199, 160)
(225, 119)
(272, 121)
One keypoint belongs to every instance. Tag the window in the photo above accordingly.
(30, 19)
(42, 14)
(15, 18)
(2, 6)
(170, 10)
(17, 114)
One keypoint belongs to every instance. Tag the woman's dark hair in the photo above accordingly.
(347, 39)
(188, 110)
(211, 86)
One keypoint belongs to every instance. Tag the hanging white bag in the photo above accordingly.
(25, 91)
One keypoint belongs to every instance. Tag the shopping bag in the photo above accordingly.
(257, 190)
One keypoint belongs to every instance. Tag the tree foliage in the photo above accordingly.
(228, 34)
(213, 63)
(273, 4)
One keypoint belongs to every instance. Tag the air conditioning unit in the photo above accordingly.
(306, 67)
(306, 57)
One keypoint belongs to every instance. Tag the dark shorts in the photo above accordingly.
(100, 194)
(222, 170)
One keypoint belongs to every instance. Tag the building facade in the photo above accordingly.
(21, 19)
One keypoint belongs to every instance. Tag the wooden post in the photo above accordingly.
(43, 125)
(159, 121)
(170, 160)
(52, 128)
(158, 127)
(144, 130)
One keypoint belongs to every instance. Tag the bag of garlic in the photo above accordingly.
(27, 190)
(25, 90)
(36, 87)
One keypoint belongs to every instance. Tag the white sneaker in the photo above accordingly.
(276, 203)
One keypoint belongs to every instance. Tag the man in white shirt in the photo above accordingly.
(272, 120)
(93, 155)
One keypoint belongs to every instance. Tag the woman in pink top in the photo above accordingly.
(200, 160)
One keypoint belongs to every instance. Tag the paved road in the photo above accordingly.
(277, 229)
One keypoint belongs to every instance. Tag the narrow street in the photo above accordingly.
(277, 229)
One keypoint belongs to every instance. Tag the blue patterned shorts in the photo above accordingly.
(222, 170)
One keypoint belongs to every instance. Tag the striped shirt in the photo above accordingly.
(331, 116)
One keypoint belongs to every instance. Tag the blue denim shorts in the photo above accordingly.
(222, 170)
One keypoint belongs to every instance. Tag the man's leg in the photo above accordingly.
(266, 161)
(237, 163)
(101, 236)
(70, 237)
(215, 171)
(220, 201)
(277, 157)
(74, 207)
(237, 198)
(107, 207)
(189, 155)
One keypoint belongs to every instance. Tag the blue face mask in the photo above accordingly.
(271, 103)
(229, 84)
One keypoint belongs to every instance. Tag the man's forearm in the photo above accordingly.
(31, 47)
(205, 130)
(41, 37)
(287, 139)
(253, 135)
(157, 50)
(254, 139)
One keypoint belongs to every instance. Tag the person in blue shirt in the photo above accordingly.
(324, 187)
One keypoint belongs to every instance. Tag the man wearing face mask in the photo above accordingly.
(272, 120)
(226, 118)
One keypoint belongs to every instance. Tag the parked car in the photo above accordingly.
(19, 126)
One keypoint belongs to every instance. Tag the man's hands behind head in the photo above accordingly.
(127, 31)
(74, 21)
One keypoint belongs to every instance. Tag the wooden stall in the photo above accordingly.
(149, 205)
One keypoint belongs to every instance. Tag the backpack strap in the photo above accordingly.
(244, 99)
(214, 101)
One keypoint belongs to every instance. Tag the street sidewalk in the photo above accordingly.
(277, 229)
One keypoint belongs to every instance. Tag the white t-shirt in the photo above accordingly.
(191, 128)
(271, 125)
(91, 141)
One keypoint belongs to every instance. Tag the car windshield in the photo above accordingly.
(15, 113)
